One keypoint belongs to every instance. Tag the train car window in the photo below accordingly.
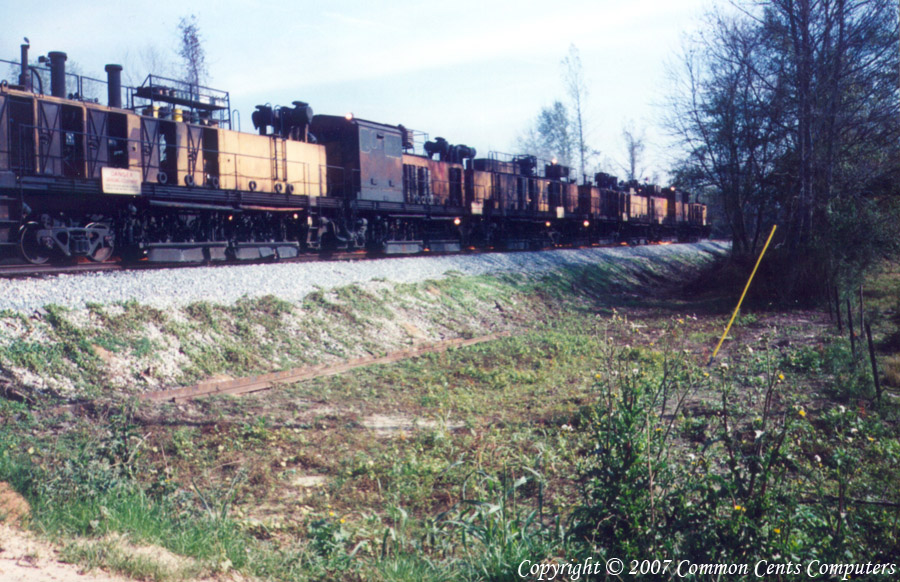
(117, 144)
(409, 182)
(96, 141)
(163, 142)
(168, 150)
(554, 194)
(456, 182)
(21, 135)
(365, 140)
(533, 194)
(4, 135)
(424, 179)
(520, 193)
(210, 153)
(149, 147)
(50, 142)
(194, 147)
(72, 126)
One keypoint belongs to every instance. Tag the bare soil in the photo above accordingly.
(24, 558)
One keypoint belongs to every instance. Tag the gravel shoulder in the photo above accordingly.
(129, 333)
(294, 281)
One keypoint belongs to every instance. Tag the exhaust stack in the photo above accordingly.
(24, 77)
(114, 85)
(58, 74)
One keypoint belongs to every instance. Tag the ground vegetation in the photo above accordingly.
(596, 430)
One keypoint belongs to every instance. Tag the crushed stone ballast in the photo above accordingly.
(293, 281)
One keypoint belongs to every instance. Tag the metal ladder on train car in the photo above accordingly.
(279, 159)
(10, 219)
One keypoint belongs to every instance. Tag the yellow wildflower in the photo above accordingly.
(801, 412)
(778, 531)
(781, 376)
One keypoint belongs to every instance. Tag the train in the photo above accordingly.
(164, 176)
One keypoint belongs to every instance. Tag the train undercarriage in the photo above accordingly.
(154, 228)
(102, 227)
(42, 227)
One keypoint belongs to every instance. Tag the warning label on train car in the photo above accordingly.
(120, 181)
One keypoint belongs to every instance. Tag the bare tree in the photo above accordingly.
(727, 110)
(634, 152)
(149, 60)
(191, 51)
(789, 111)
(576, 87)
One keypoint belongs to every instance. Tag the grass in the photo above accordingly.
(595, 430)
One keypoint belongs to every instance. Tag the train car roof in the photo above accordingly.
(350, 120)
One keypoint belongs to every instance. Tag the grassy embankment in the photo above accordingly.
(596, 431)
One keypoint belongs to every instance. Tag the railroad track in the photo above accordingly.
(24, 270)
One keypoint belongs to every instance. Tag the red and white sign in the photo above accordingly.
(120, 181)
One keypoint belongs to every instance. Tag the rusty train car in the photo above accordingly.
(163, 176)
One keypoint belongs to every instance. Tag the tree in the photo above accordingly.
(150, 59)
(576, 87)
(559, 130)
(789, 110)
(727, 110)
(551, 135)
(634, 152)
(191, 51)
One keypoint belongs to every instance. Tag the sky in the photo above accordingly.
(473, 72)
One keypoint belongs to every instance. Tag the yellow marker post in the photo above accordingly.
(741, 300)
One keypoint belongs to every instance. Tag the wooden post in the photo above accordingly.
(830, 306)
(837, 306)
(862, 319)
(850, 325)
(874, 364)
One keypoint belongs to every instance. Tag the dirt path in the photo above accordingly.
(23, 558)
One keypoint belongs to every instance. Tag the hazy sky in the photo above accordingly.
(473, 72)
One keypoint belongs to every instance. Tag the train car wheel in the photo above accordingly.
(99, 233)
(31, 248)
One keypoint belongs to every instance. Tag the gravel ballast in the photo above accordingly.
(293, 281)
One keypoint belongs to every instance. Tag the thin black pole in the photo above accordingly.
(874, 364)
(837, 305)
(850, 325)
